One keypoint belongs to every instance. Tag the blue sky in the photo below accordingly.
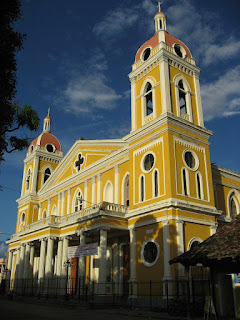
(78, 54)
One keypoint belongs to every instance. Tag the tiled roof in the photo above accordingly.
(222, 246)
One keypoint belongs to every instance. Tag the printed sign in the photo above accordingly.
(89, 249)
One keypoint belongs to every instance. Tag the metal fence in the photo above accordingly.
(179, 297)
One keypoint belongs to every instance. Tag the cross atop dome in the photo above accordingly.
(159, 6)
(47, 122)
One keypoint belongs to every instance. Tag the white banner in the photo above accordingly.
(90, 249)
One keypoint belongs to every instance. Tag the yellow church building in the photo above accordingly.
(141, 200)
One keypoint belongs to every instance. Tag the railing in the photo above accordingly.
(107, 207)
(178, 297)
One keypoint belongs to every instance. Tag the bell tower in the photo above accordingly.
(164, 78)
(43, 155)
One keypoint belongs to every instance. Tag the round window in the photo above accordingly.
(148, 162)
(150, 252)
(146, 54)
(191, 160)
(50, 147)
(179, 50)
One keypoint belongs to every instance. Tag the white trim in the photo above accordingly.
(116, 184)
(146, 118)
(27, 190)
(187, 91)
(47, 166)
(123, 185)
(75, 198)
(99, 188)
(142, 162)
(93, 189)
(153, 183)
(140, 189)
(187, 182)
(85, 202)
(201, 197)
(148, 264)
(141, 56)
(236, 198)
(193, 240)
(165, 84)
(108, 194)
(133, 104)
(195, 158)
(54, 210)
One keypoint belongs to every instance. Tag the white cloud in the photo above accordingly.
(3, 249)
(87, 92)
(87, 87)
(202, 32)
(120, 19)
(221, 98)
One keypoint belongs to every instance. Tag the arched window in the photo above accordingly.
(185, 182)
(199, 183)
(155, 183)
(141, 189)
(44, 214)
(28, 179)
(233, 206)
(148, 99)
(54, 211)
(126, 191)
(182, 98)
(108, 192)
(46, 174)
(78, 202)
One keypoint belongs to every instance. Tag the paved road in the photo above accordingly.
(42, 310)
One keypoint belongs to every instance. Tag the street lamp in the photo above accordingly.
(67, 264)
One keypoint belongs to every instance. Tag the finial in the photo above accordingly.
(159, 6)
(48, 112)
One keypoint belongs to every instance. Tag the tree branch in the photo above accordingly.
(11, 130)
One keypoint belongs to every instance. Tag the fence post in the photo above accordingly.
(150, 294)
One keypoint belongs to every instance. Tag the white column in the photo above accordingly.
(59, 257)
(9, 265)
(42, 259)
(21, 262)
(49, 266)
(59, 205)
(39, 211)
(166, 248)
(17, 263)
(24, 179)
(82, 260)
(198, 99)
(180, 244)
(48, 207)
(116, 185)
(69, 201)
(133, 103)
(99, 188)
(213, 229)
(121, 269)
(65, 255)
(93, 189)
(35, 174)
(165, 85)
(27, 262)
(132, 280)
(10, 259)
(85, 197)
(102, 260)
(32, 250)
(116, 266)
(62, 204)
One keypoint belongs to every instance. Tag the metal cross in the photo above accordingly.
(159, 6)
(48, 112)
(79, 162)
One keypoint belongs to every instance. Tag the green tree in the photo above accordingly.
(12, 116)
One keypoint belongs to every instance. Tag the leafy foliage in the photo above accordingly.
(12, 116)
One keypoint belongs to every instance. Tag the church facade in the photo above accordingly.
(144, 198)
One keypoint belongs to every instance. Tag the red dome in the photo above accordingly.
(154, 41)
(46, 138)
